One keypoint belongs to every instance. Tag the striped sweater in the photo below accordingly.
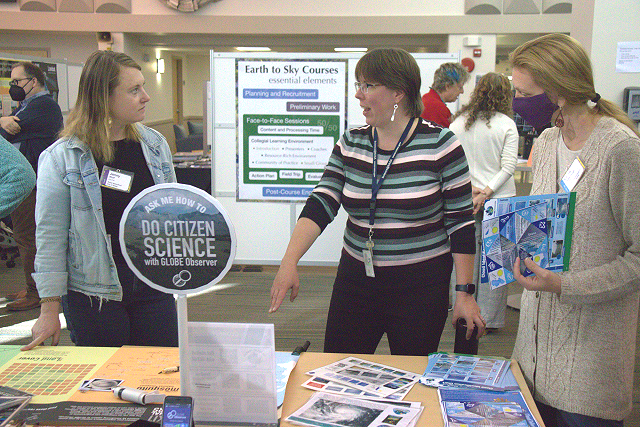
(424, 207)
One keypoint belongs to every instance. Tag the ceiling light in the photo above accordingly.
(253, 49)
(350, 49)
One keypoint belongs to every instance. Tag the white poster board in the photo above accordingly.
(263, 226)
(61, 79)
(290, 115)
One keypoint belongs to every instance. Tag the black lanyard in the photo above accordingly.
(377, 183)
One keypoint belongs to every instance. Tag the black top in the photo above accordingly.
(129, 158)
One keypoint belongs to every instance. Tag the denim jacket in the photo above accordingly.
(73, 248)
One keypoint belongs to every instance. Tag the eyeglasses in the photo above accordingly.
(364, 87)
(14, 82)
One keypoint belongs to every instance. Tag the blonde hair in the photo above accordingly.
(396, 69)
(492, 94)
(90, 119)
(560, 65)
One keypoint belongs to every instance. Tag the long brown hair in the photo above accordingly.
(560, 65)
(492, 94)
(90, 120)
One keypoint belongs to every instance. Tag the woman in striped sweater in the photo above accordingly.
(406, 218)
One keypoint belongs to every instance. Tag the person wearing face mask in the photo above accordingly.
(79, 263)
(448, 82)
(31, 128)
(410, 218)
(576, 339)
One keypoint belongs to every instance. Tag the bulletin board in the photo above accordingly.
(61, 78)
(263, 225)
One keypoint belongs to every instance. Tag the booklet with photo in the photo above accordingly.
(331, 410)
(465, 406)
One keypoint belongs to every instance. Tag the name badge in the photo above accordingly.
(116, 179)
(367, 254)
(572, 175)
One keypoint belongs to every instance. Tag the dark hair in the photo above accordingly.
(396, 69)
(89, 121)
(492, 94)
(31, 70)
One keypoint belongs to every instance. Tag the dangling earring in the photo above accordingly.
(393, 116)
(560, 119)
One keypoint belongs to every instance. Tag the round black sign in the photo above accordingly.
(177, 238)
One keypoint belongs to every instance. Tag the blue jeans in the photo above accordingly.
(553, 417)
(145, 316)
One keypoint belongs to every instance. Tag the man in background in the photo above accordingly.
(31, 128)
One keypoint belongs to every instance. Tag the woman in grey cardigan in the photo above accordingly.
(576, 338)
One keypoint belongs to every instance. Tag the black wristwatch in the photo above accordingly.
(469, 288)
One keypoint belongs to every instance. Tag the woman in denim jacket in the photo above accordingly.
(79, 264)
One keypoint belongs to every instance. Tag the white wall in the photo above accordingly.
(72, 47)
(158, 86)
(483, 64)
(195, 73)
(615, 21)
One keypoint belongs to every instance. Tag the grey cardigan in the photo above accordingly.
(577, 349)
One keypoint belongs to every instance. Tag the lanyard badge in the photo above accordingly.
(116, 179)
(367, 253)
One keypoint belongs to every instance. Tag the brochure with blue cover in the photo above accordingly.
(467, 407)
(559, 229)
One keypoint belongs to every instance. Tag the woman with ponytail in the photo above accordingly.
(577, 335)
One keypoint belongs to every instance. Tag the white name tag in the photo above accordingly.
(368, 262)
(572, 175)
(116, 179)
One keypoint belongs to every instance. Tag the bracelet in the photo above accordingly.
(49, 299)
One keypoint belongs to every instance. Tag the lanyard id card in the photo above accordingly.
(572, 175)
(116, 179)
(376, 183)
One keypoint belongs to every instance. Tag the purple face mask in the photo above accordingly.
(535, 110)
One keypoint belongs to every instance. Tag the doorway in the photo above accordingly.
(176, 66)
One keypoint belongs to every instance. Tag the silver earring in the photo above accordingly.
(393, 116)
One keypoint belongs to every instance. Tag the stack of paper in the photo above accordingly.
(356, 392)
(457, 370)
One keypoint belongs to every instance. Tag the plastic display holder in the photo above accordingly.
(178, 239)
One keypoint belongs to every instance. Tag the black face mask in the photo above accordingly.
(17, 93)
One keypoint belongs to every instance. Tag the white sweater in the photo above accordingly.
(492, 152)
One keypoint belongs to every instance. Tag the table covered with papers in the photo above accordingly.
(308, 403)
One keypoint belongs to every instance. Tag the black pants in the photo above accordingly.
(408, 303)
(145, 316)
